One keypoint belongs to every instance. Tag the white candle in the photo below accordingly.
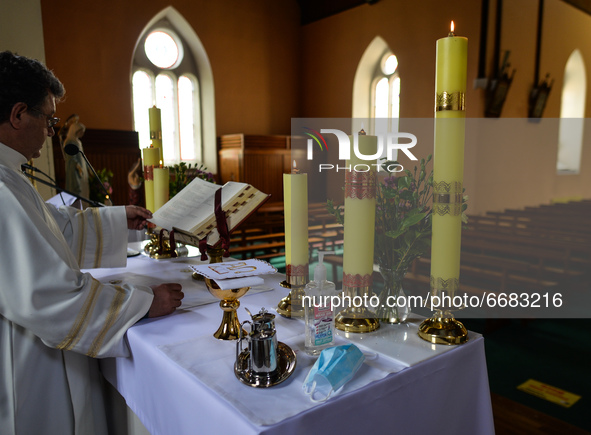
(161, 187)
(295, 200)
(448, 161)
(151, 160)
(156, 129)
(360, 208)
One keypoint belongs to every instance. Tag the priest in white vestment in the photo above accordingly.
(55, 320)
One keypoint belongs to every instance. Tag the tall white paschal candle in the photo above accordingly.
(448, 162)
(295, 197)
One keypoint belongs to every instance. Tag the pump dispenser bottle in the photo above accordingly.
(319, 313)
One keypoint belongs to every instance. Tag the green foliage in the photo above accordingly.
(337, 211)
(182, 174)
(403, 217)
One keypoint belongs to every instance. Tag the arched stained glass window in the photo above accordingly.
(142, 100)
(572, 115)
(188, 112)
(165, 77)
(166, 101)
(386, 94)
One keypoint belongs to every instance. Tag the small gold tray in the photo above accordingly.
(286, 363)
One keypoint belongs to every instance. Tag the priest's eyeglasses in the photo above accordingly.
(51, 120)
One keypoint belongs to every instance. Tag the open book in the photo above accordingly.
(191, 212)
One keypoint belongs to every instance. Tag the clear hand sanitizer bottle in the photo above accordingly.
(319, 313)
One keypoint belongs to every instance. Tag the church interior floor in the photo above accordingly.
(553, 351)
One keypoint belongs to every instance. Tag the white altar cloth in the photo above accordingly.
(432, 388)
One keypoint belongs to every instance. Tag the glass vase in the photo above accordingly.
(393, 305)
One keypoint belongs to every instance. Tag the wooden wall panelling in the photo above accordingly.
(258, 160)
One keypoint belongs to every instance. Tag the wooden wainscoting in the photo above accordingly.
(258, 160)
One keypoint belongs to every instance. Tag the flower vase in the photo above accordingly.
(393, 307)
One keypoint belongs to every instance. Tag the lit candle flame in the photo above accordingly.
(452, 27)
(295, 169)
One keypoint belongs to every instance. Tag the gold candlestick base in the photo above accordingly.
(357, 322)
(229, 328)
(356, 319)
(291, 305)
(157, 247)
(443, 328)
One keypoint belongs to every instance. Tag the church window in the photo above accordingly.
(165, 77)
(386, 94)
(572, 115)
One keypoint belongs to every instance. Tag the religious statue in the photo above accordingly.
(76, 168)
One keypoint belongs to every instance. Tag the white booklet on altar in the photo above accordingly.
(234, 269)
(235, 274)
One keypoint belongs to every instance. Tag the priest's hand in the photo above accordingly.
(167, 298)
(136, 217)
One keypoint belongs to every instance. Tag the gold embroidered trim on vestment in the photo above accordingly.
(98, 253)
(82, 318)
(81, 239)
(114, 310)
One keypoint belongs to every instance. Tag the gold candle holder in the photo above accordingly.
(296, 279)
(158, 247)
(356, 319)
(443, 328)
(229, 328)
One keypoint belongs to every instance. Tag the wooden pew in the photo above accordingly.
(573, 251)
(265, 246)
(509, 225)
(565, 224)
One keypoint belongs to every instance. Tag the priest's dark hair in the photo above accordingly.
(25, 80)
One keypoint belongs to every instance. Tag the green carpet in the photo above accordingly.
(556, 352)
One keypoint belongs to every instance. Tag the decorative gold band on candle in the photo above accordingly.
(149, 172)
(155, 135)
(297, 275)
(450, 101)
(356, 280)
(450, 285)
(360, 185)
(447, 198)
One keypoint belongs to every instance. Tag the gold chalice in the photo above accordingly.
(230, 327)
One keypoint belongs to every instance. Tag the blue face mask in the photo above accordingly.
(334, 368)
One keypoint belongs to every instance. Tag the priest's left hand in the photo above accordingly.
(136, 217)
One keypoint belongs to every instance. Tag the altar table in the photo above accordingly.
(431, 388)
